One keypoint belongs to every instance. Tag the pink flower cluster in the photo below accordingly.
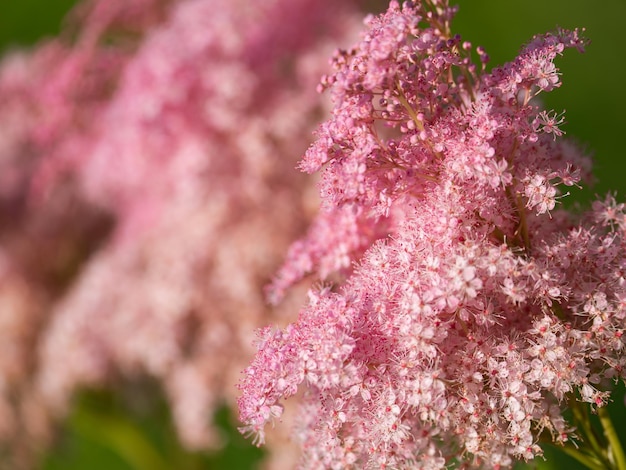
(466, 304)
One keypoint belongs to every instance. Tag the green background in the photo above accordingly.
(593, 83)
(104, 431)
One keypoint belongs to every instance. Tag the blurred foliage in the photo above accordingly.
(130, 428)
(115, 430)
(23, 22)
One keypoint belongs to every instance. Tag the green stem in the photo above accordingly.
(409, 109)
(615, 446)
(583, 423)
(413, 115)
(589, 461)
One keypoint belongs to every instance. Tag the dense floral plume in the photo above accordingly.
(148, 192)
(472, 305)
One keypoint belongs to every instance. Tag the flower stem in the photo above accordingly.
(615, 447)
(589, 461)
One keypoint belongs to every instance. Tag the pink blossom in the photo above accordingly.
(477, 305)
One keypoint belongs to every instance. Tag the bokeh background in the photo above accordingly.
(110, 429)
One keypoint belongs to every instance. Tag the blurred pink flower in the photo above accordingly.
(147, 162)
